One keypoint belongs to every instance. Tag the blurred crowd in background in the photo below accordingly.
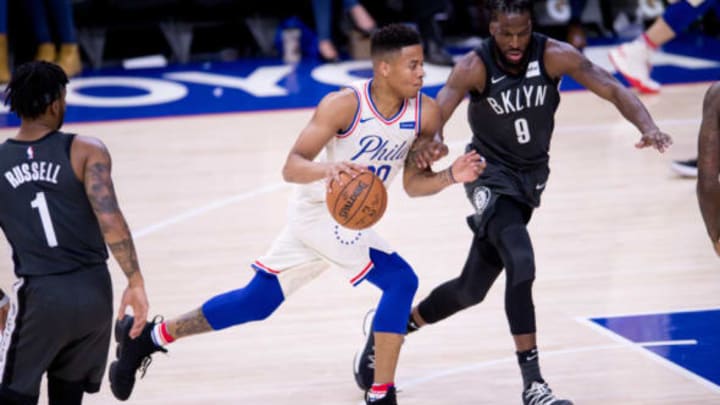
(99, 33)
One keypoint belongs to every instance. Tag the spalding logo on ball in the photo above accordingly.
(359, 202)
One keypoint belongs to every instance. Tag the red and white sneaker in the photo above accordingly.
(632, 61)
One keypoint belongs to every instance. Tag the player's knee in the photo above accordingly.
(254, 302)
(398, 282)
(391, 272)
(518, 254)
(469, 296)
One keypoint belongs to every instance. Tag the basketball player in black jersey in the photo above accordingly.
(512, 80)
(708, 187)
(58, 210)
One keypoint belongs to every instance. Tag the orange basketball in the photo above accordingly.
(359, 202)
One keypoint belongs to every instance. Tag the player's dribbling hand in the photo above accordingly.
(655, 138)
(333, 170)
(135, 297)
(468, 167)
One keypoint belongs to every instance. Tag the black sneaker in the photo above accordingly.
(132, 354)
(685, 168)
(389, 399)
(540, 394)
(364, 363)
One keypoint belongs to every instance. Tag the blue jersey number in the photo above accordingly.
(381, 171)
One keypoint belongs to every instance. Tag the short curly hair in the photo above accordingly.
(391, 38)
(34, 86)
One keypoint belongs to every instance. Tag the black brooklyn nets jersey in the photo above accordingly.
(44, 210)
(513, 119)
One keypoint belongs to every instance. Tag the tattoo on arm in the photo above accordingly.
(101, 191)
(101, 194)
(448, 177)
(191, 323)
(126, 256)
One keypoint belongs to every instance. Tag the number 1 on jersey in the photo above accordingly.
(522, 130)
(41, 204)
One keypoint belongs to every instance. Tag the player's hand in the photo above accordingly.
(468, 167)
(333, 170)
(655, 138)
(716, 245)
(425, 153)
(135, 297)
(3, 315)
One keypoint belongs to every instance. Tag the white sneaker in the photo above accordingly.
(540, 394)
(685, 168)
(632, 60)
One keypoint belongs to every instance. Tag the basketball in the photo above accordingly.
(359, 202)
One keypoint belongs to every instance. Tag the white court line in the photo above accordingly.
(209, 207)
(652, 356)
(545, 354)
(404, 384)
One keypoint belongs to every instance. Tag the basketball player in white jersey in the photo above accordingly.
(380, 125)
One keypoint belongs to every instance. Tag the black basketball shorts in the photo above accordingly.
(59, 324)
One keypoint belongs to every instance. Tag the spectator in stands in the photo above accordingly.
(322, 9)
(59, 15)
(632, 59)
(4, 65)
(576, 33)
(423, 13)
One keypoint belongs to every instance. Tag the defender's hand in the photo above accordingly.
(135, 297)
(468, 167)
(655, 138)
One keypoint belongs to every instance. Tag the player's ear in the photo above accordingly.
(55, 107)
(384, 67)
(493, 28)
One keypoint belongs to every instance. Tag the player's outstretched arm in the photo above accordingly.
(334, 114)
(92, 164)
(708, 187)
(420, 181)
(467, 75)
(564, 59)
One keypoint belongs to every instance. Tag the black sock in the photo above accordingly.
(529, 366)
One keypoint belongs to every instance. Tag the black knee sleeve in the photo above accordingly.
(517, 253)
(482, 267)
(520, 309)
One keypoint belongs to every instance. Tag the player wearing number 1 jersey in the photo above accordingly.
(58, 210)
(512, 81)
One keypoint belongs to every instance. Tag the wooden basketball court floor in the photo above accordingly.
(617, 233)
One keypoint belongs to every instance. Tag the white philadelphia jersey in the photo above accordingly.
(373, 140)
(312, 240)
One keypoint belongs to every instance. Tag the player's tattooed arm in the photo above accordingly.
(101, 194)
(192, 323)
